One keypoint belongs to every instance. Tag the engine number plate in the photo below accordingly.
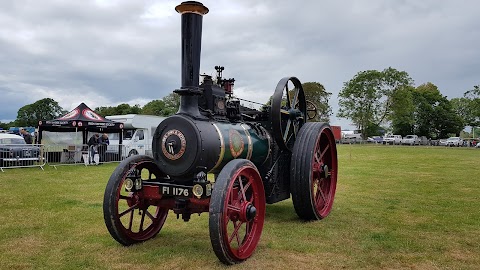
(174, 190)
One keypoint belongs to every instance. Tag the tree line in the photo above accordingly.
(387, 100)
(48, 108)
(374, 101)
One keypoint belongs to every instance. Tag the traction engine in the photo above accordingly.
(217, 156)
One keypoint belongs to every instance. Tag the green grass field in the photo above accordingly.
(395, 208)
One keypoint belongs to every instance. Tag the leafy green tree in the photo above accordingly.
(473, 96)
(154, 107)
(5, 126)
(367, 98)
(316, 93)
(172, 104)
(434, 114)
(463, 108)
(43, 109)
(127, 109)
(105, 110)
(446, 121)
(120, 109)
(403, 109)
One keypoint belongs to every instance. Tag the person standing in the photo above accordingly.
(92, 146)
(103, 142)
(26, 136)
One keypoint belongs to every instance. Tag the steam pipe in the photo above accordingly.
(192, 15)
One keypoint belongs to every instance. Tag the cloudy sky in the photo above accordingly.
(108, 52)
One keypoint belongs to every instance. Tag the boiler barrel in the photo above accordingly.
(183, 146)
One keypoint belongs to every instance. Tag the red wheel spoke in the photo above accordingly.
(319, 196)
(324, 151)
(247, 186)
(317, 155)
(233, 198)
(316, 158)
(235, 232)
(128, 210)
(242, 190)
(149, 215)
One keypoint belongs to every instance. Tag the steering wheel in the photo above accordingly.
(311, 110)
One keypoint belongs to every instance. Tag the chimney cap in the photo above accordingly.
(191, 7)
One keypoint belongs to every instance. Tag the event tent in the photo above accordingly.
(81, 119)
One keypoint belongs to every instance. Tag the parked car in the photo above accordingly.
(442, 142)
(411, 140)
(424, 140)
(14, 151)
(392, 139)
(454, 141)
(352, 138)
(375, 139)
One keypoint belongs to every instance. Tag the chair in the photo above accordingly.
(69, 154)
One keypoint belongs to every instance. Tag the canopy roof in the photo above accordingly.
(80, 118)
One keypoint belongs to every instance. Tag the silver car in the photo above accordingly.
(14, 151)
(454, 141)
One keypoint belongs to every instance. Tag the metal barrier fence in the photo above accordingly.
(37, 155)
(22, 155)
(60, 155)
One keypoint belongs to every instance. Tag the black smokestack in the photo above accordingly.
(192, 16)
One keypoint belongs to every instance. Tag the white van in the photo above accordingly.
(138, 133)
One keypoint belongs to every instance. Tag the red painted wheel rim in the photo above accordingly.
(324, 174)
(138, 219)
(241, 235)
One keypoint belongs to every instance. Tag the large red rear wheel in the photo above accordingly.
(237, 211)
(313, 178)
(129, 217)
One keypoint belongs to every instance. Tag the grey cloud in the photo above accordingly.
(127, 51)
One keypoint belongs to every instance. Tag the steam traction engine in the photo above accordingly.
(255, 157)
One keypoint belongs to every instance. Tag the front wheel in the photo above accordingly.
(129, 217)
(313, 178)
(237, 211)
